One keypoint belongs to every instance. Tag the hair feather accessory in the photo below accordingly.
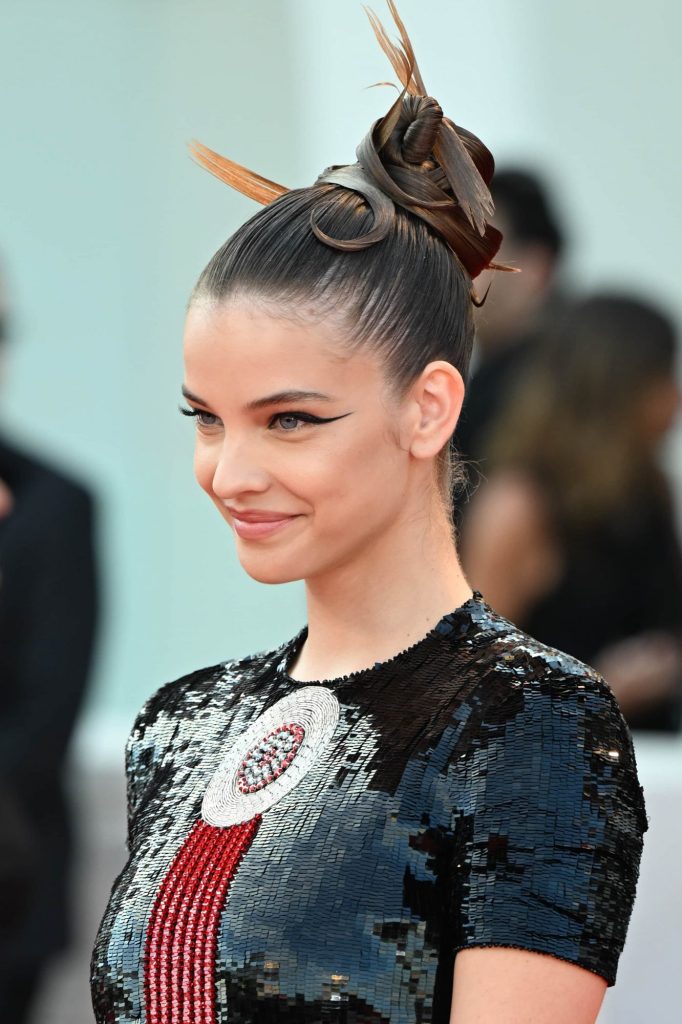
(250, 184)
(413, 157)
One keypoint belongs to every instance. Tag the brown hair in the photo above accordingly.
(571, 421)
(388, 246)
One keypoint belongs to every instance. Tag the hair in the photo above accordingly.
(405, 298)
(570, 421)
(387, 247)
(524, 201)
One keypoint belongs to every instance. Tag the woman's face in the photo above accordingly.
(331, 465)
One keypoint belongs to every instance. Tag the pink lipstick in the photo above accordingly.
(256, 525)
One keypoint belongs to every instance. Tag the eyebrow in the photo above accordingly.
(278, 398)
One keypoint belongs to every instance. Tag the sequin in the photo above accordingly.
(477, 789)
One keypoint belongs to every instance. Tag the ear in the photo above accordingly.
(435, 402)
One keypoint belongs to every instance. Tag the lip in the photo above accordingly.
(257, 516)
(251, 529)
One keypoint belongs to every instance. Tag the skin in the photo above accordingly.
(371, 541)
(500, 985)
(377, 560)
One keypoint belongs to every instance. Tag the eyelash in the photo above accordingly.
(305, 417)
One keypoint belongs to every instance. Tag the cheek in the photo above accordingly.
(362, 481)
(354, 480)
(204, 468)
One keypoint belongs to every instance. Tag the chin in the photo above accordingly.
(266, 570)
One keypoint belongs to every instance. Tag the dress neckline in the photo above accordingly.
(456, 622)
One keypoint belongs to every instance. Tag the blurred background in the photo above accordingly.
(106, 223)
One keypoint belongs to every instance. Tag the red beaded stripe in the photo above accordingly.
(179, 957)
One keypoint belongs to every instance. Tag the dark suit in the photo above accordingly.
(49, 604)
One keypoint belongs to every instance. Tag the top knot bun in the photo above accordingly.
(416, 132)
(418, 159)
(413, 157)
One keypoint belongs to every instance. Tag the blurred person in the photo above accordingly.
(18, 843)
(573, 533)
(48, 614)
(518, 307)
(5, 499)
(409, 797)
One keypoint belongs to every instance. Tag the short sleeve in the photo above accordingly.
(142, 756)
(548, 823)
(149, 748)
(147, 745)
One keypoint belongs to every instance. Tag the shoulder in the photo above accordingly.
(521, 676)
(33, 472)
(193, 691)
(515, 665)
(48, 499)
(158, 726)
(549, 732)
(548, 811)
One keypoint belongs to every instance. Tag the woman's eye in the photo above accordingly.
(289, 421)
(198, 414)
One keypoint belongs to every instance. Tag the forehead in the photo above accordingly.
(243, 346)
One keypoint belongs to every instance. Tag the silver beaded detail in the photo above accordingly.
(271, 756)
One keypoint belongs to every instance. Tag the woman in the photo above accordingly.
(316, 830)
(573, 535)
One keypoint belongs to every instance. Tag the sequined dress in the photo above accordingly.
(319, 851)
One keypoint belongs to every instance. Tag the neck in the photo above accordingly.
(382, 601)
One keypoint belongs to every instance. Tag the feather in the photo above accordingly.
(419, 82)
(480, 153)
(468, 185)
(402, 57)
(397, 57)
(465, 179)
(238, 177)
(384, 127)
(448, 190)
(375, 85)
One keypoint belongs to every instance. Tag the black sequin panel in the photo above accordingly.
(479, 789)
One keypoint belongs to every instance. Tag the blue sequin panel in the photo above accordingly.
(478, 789)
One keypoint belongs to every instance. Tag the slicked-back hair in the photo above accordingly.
(406, 298)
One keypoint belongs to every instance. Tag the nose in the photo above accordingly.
(237, 471)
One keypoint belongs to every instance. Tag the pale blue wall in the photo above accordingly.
(106, 222)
